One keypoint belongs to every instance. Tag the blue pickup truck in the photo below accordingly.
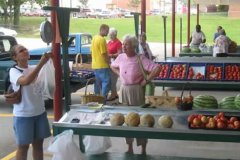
(77, 43)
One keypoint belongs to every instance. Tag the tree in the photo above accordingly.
(42, 2)
(16, 14)
(134, 4)
(84, 3)
(7, 9)
(13, 6)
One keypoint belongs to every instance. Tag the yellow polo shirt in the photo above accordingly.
(99, 50)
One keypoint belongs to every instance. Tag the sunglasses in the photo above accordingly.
(22, 50)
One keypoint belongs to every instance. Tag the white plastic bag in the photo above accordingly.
(96, 144)
(45, 82)
(203, 48)
(63, 147)
(215, 50)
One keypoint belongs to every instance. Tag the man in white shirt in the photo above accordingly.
(197, 37)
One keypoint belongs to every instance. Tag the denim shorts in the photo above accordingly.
(28, 129)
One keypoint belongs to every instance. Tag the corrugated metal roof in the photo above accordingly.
(216, 2)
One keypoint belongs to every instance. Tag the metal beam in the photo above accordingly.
(173, 27)
(143, 16)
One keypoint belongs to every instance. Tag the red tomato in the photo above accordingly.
(233, 119)
(221, 125)
(191, 117)
(237, 124)
(221, 114)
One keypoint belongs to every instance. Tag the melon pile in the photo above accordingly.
(205, 101)
(230, 102)
(133, 119)
(208, 101)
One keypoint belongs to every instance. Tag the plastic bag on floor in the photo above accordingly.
(45, 82)
(96, 144)
(64, 148)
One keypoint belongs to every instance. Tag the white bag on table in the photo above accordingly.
(96, 144)
(64, 148)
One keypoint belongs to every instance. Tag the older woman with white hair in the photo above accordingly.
(221, 45)
(126, 65)
(114, 47)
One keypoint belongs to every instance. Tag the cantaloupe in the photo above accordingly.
(147, 120)
(117, 119)
(132, 119)
(165, 121)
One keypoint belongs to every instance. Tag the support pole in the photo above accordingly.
(165, 37)
(188, 25)
(136, 23)
(57, 101)
(63, 15)
(143, 16)
(173, 27)
(180, 33)
(197, 13)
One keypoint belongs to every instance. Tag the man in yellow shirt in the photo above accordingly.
(100, 62)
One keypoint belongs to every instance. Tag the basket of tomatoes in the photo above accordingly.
(184, 103)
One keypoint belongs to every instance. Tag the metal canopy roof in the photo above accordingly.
(216, 2)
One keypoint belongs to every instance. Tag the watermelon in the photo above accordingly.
(227, 103)
(186, 49)
(237, 101)
(195, 50)
(205, 101)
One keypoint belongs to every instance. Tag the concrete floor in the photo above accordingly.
(162, 147)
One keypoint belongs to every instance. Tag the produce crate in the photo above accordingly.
(81, 75)
(196, 71)
(231, 72)
(214, 71)
(178, 71)
(219, 123)
(164, 70)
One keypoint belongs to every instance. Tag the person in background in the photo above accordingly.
(144, 47)
(114, 47)
(30, 118)
(197, 37)
(126, 65)
(100, 62)
(216, 34)
(221, 44)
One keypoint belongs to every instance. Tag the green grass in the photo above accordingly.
(29, 26)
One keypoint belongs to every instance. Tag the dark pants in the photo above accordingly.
(221, 55)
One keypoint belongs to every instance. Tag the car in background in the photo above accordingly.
(155, 12)
(104, 14)
(128, 15)
(8, 32)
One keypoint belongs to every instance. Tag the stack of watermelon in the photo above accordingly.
(186, 49)
(237, 101)
(227, 103)
(195, 50)
(205, 101)
(230, 102)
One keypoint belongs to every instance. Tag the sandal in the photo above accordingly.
(113, 98)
